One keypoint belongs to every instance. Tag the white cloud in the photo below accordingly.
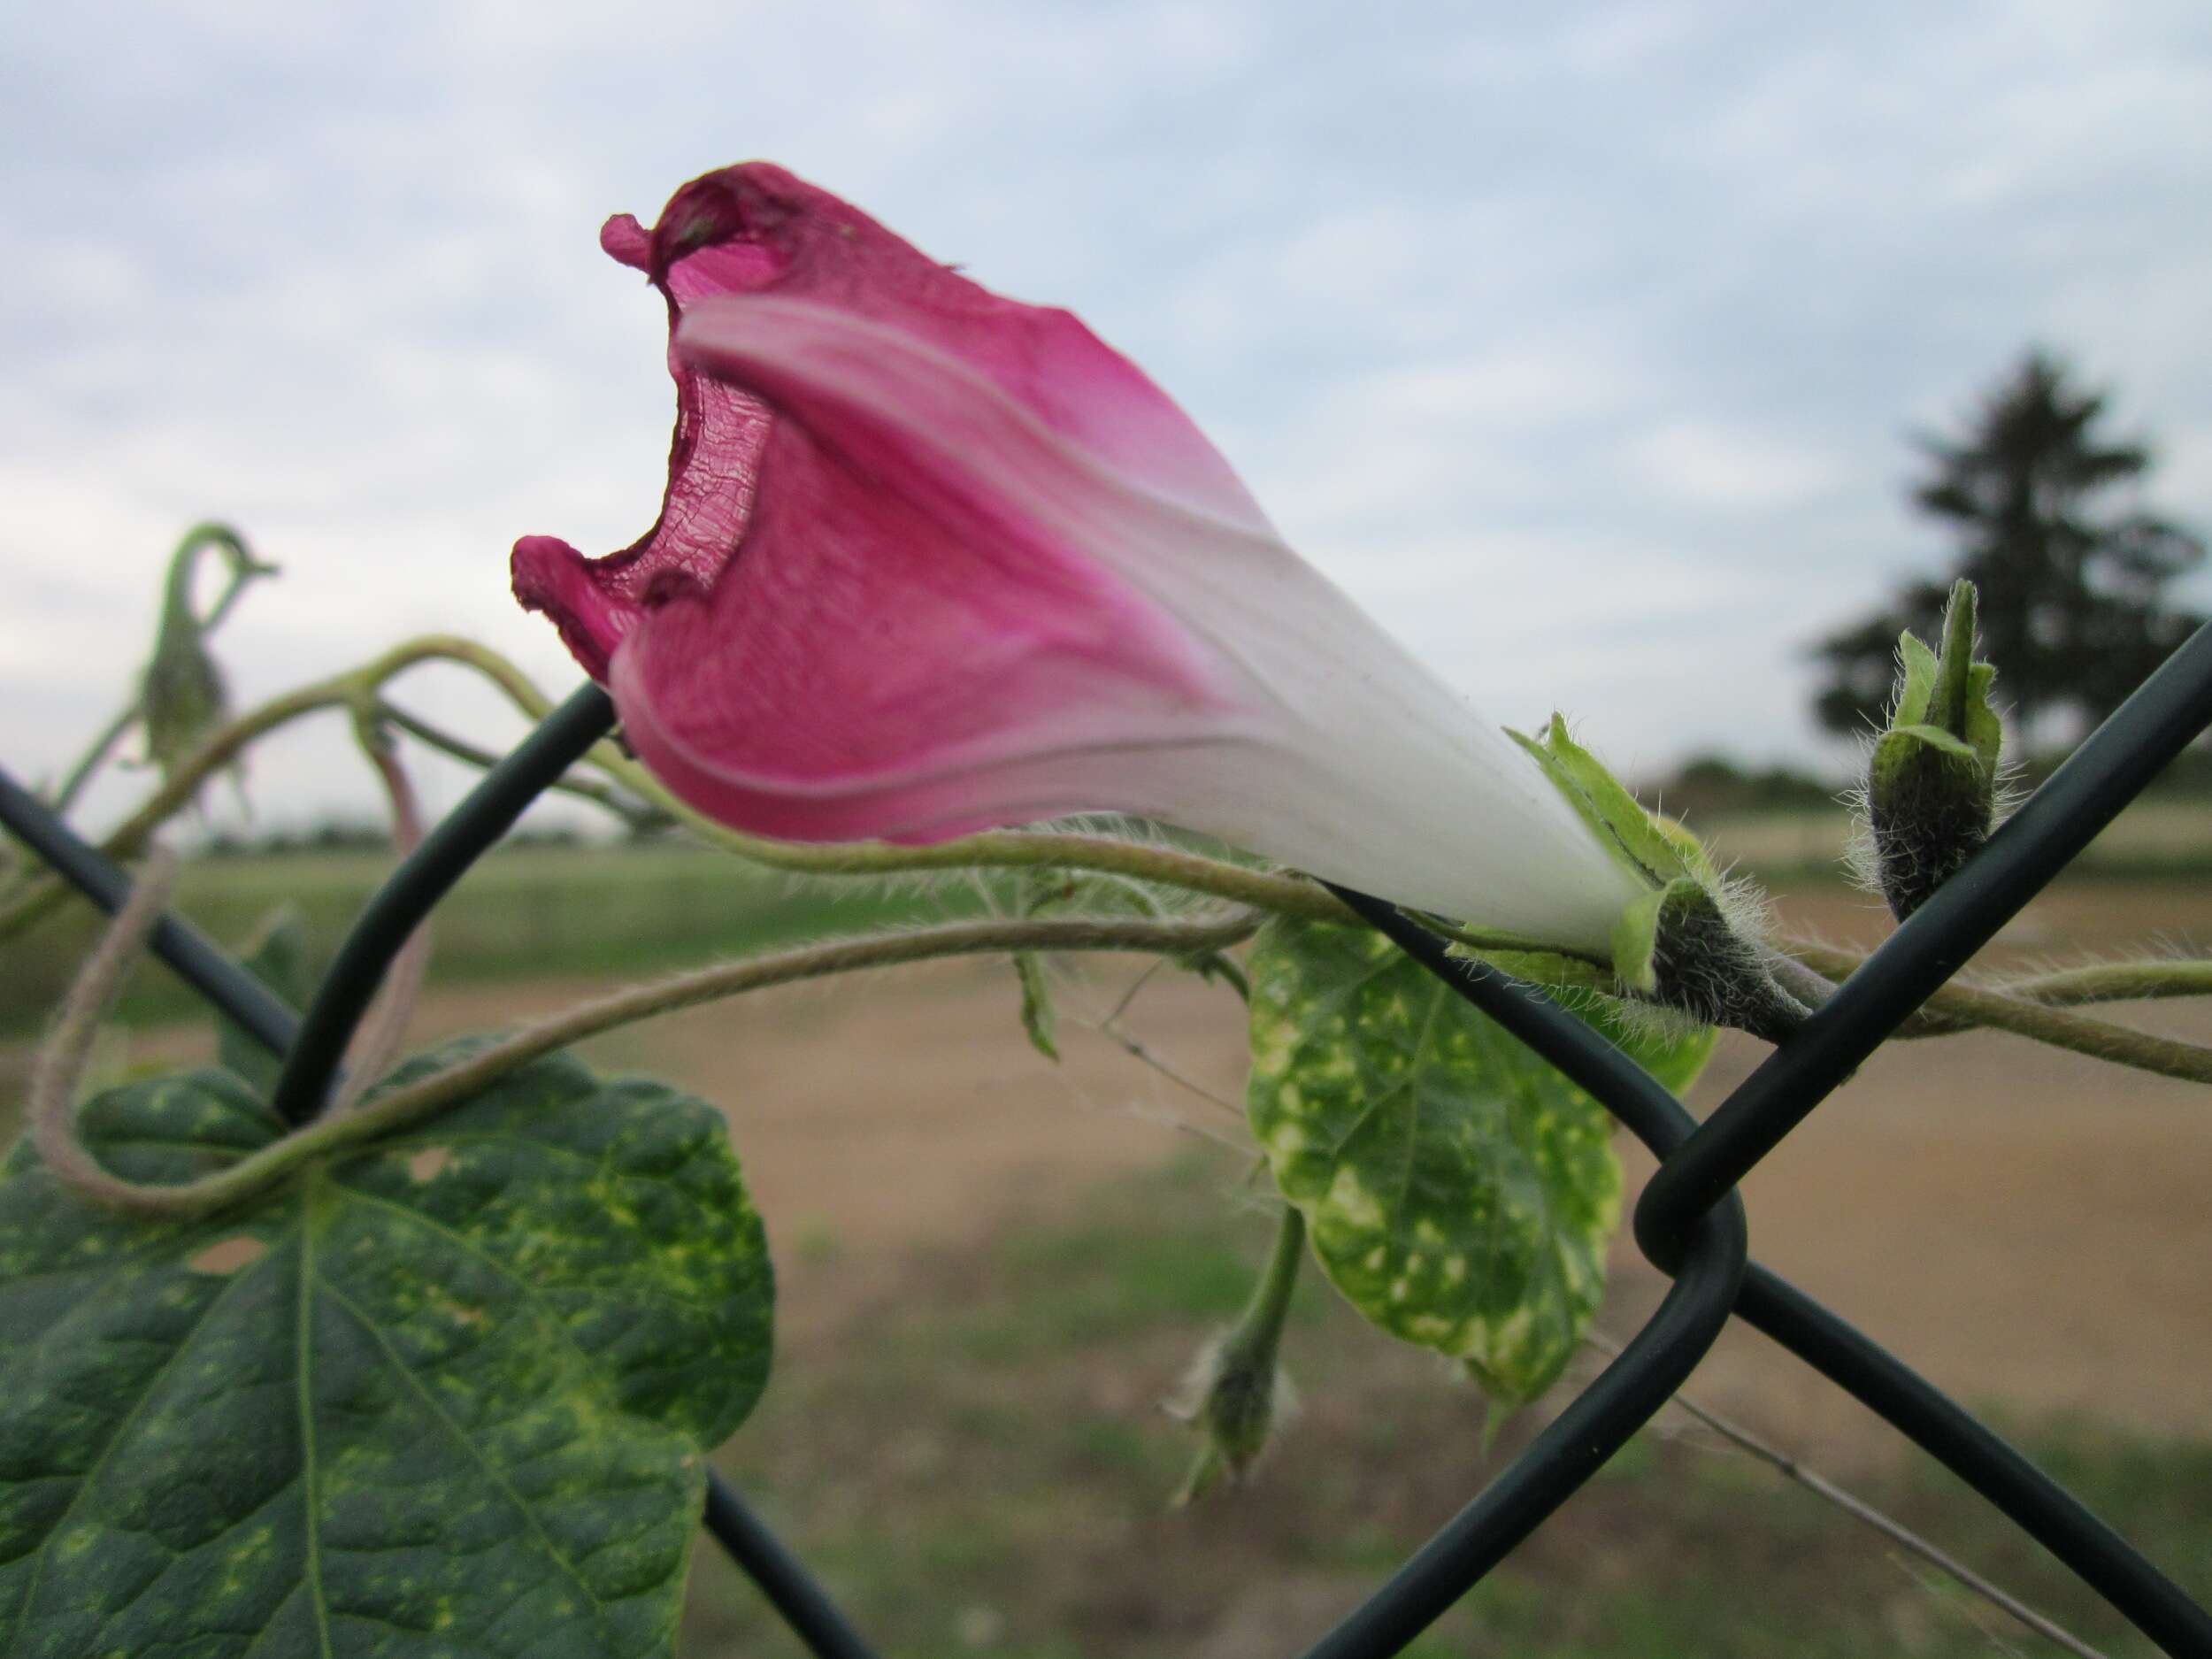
(1703, 465)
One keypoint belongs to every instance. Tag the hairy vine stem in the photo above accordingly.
(2021, 1009)
(380, 1114)
(52, 1107)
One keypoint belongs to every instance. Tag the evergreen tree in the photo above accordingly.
(2073, 608)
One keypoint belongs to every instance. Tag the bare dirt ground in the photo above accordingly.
(2031, 1230)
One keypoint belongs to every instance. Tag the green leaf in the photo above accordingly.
(1458, 1191)
(447, 1394)
(277, 955)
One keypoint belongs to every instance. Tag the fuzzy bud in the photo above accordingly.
(1236, 1392)
(182, 697)
(1931, 781)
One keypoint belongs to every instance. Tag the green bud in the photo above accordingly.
(1932, 781)
(1236, 1392)
(182, 697)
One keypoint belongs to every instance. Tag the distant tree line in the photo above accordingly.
(351, 835)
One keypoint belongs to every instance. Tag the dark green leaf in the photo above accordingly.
(445, 1395)
(1460, 1193)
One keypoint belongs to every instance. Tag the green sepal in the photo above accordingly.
(181, 698)
(1547, 968)
(1636, 942)
(1674, 1053)
(1946, 694)
(1053, 891)
(1985, 728)
(1901, 744)
(1618, 820)
(1917, 670)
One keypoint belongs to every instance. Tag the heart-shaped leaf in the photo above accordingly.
(445, 1394)
(1458, 1191)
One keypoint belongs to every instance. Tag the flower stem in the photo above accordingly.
(1239, 1384)
(1959, 1007)
(60, 1068)
(1270, 1305)
(381, 1114)
(2115, 982)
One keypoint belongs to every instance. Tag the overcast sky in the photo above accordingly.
(1581, 343)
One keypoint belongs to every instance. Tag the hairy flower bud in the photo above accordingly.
(1236, 1393)
(182, 695)
(1932, 780)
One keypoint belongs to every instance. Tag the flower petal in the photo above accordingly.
(1308, 734)
(898, 630)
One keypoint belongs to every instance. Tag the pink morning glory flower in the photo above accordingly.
(931, 560)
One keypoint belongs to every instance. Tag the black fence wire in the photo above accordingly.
(1690, 1222)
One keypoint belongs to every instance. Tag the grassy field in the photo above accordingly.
(975, 1466)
